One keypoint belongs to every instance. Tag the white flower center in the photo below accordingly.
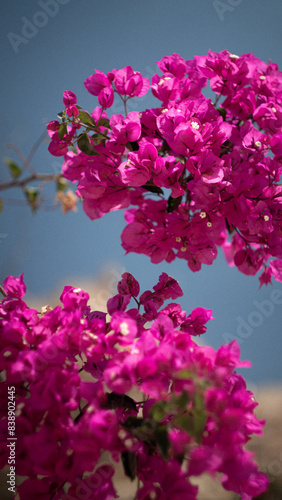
(122, 434)
(153, 495)
(128, 443)
(163, 80)
(124, 330)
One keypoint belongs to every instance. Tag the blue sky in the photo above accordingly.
(51, 46)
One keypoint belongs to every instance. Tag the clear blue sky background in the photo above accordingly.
(78, 37)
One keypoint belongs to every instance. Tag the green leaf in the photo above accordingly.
(182, 400)
(185, 422)
(193, 422)
(63, 129)
(121, 401)
(133, 422)
(62, 184)
(162, 439)
(15, 170)
(85, 145)
(86, 118)
(200, 419)
(184, 375)
(104, 122)
(129, 464)
(61, 115)
(97, 138)
(173, 203)
(132, 146)
(152, 188)
(200, 416)
(222, 112)
(228, 227)
(159, 411)
(32, 195)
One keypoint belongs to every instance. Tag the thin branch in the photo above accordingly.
(2, 291)
(33, 177)
(216, 100)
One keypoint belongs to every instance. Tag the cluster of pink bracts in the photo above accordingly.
(199, 175)
(193, 413)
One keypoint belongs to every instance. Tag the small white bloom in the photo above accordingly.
(124, 330)
(195, 125)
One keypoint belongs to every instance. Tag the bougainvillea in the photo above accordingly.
(168, 408)
(213, 169)
(193, 175)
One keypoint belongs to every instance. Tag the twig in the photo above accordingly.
(33, 177)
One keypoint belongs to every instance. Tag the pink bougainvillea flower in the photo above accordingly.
(14, 287)
(65, 424)
(97, 82)
(69, 98)
(58, 148)
(130, 83)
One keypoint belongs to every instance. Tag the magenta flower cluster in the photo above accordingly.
(198, 174)
(188, 411)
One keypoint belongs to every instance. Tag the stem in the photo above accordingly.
(138, 303)
(2, 291)
(125, 107)
(33, 177)
(102, 109)
(216, 100)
